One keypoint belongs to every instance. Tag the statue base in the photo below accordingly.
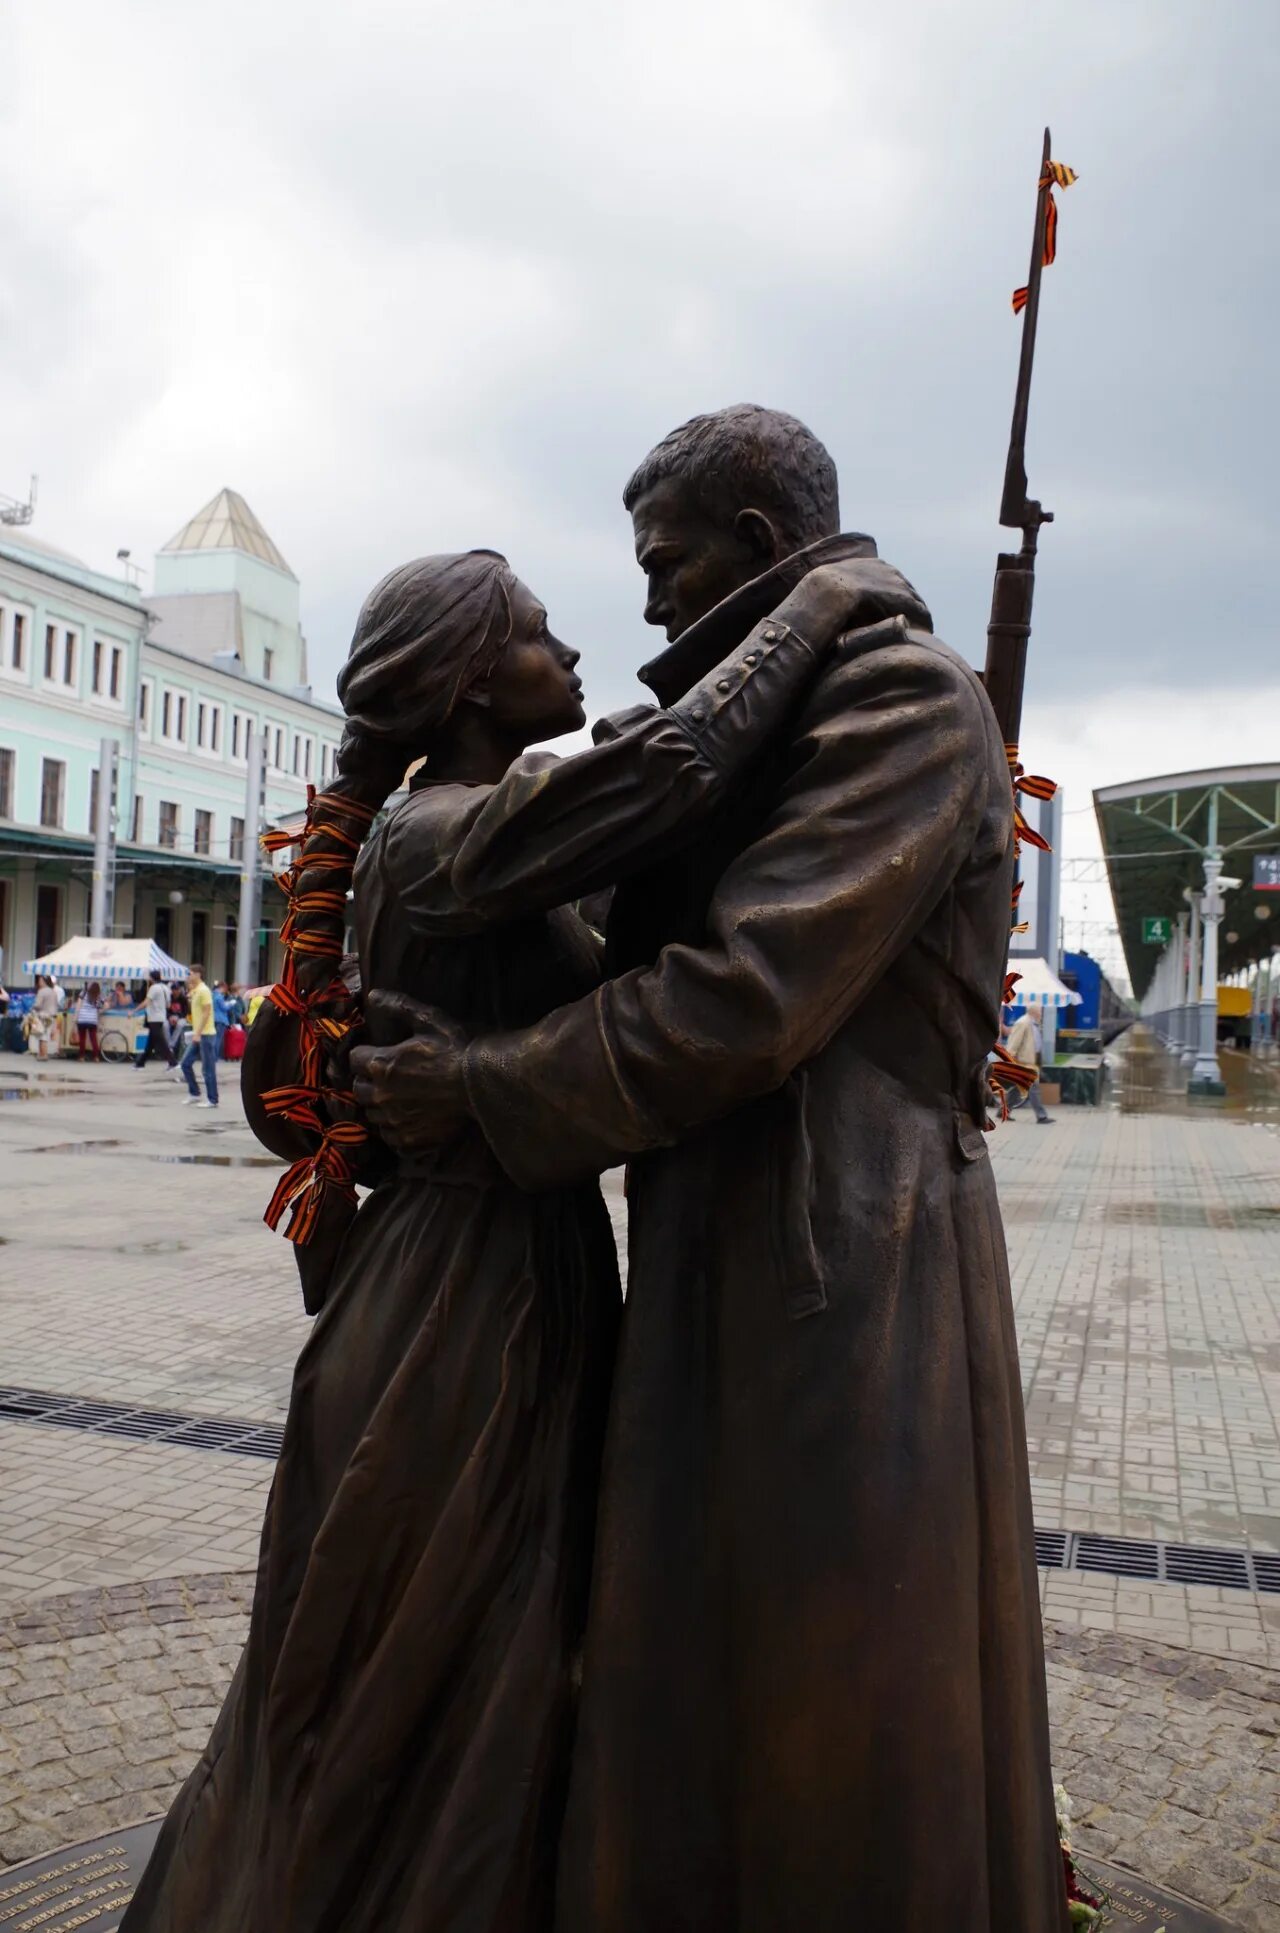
(1142, 1908)
(80, 1889)
(85, 1889)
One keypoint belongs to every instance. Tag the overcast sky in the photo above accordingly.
(420, 276)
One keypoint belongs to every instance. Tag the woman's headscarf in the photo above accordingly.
(425, 634)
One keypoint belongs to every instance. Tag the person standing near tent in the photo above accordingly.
(155, 1012)
(43, 1026)
(203, 1044)
(87, 1010)
(1025, 1044)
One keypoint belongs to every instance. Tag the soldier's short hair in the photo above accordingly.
(749, 458)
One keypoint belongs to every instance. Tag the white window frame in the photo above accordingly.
(177, 825)
(112, 653)
(238, 743)
(147, 707)
(177, 714)
(208, 744)
(9, 613)
(279, 746)
(62, 632)
(206, 851)
(59, 823)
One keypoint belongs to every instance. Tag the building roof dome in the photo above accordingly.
(227, 523)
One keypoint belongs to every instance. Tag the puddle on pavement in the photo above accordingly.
(72, 1147)
(1147, 1079)
(41, 1091)
(166, 1160)
(214, 1160)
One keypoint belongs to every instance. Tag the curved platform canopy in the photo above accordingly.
(86, 959)
(1155, 833)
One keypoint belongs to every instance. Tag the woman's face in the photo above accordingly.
(533, 692)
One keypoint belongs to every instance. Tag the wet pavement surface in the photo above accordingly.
(1144, 1248)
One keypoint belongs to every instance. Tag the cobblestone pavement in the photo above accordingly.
(1144, 1251)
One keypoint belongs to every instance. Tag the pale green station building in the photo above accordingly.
(178, 678)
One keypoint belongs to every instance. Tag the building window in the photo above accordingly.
(277, 751)
(13, 639)
(200, 940)
(267, 659)
(169, 824)
(113, 682)
(135, 830)
(204, 830)
(208, 726)
(98, 652)
(297, 756)
(215, 729)
(53, 778)
(173, 717)
(202, 724)
(240, 724)
(93, 803)
(163, 916)
(237, 839)
(144, 704)
(6, 783)
(307, 753)
(60, 655)
(48, 919)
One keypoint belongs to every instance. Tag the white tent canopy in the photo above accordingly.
(86, 959)
(1039, 985)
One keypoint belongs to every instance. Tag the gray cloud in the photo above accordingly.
(413, 276)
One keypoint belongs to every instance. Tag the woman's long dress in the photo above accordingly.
(393, 1750)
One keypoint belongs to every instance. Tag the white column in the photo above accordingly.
(1191, 992)
(1206, 1075)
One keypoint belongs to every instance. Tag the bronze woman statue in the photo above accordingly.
(393, 1751)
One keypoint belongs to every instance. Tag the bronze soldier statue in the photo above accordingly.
(813, 1691)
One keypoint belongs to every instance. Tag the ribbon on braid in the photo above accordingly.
(1006, 1072)
(312, 933)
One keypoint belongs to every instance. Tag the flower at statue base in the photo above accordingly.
(1084, 1907)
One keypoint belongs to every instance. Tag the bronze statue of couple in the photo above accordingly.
(716, 1612)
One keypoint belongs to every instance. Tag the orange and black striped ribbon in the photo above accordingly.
(1056, 175)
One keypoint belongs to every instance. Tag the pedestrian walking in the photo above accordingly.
(203, 1044)
(221, 1015)
(155, 1012)
(1026, 1044)
(42, 1021)
(87, 1012)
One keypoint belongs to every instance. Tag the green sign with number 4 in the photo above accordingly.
(1157, 932)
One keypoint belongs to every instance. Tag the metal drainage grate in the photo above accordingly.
(1231, 1570)
(1056, 1550)
(240, 1437)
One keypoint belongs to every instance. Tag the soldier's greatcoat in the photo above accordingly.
(814, 1688)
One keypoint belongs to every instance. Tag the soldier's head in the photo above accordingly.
(720, 500)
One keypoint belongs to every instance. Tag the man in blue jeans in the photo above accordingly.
(203, 1043)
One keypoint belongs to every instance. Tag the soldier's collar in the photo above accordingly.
(702, 646)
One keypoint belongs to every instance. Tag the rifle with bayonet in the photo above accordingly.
(1015, 582)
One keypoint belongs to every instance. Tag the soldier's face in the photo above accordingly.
(691, 562)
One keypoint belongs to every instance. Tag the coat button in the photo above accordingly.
(724, 685)
(770, 637)
(752, 657)
(697, 716)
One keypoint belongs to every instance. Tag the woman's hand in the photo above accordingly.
(847, 596)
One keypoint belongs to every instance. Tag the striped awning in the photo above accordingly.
(1038, 985)
(89, 959)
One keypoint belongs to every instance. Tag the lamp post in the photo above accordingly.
(1206, 1075)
